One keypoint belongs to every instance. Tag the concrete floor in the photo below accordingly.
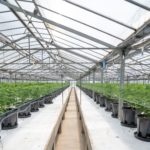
(71, 137)
(33, 133)
(105, 132)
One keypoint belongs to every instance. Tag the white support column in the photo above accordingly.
(102, 75)
(61, 78)
(93, 83)
(89, 77)
(29, 49)
(122, 75)
(80, 89)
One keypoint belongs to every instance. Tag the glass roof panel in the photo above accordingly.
(119, 9)
(96, 21)
(102, 23)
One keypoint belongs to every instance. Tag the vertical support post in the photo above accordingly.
(10, 77)
(80, 89)
(49, 64)
(15, 78)
(62, 87)
(89, 77)
(127, 79)
(122, 75)
(21, 76)
(102, 75)
(30, 78)
(42, 59)
(102, 67)
(29, 48)
(93, 85)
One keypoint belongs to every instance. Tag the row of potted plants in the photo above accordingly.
(136, 106)
(19, 100)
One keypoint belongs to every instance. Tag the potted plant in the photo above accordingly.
(108, 103)
(34, 94)
(9, 119)
(114, 109)
(143, 127)
(41, 102)
(143, 123)
(129, 115)
(48, 99)
(97, 98)
(8, 115)
(25, 108)
(102, 100)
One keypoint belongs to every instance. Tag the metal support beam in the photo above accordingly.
(29, 49)
(141, 32)
(94, 76)
(11, 42)
(102, 67)
(80, 22)
(89, 77)
(138, 4)
(101, 15)
(80, 89)
(15, 8)
(122, 76)
(93, 83)
(102, 75)
(27, 27)
(71, 52)
(63, 48)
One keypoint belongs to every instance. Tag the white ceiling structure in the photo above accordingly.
(49, 38)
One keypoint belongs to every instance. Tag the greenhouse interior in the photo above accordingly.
(74, 74)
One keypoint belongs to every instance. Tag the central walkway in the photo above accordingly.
(70, 137)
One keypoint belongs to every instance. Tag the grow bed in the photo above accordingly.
(106, 132)
(136, 98)
(18, 98)
(34, 132)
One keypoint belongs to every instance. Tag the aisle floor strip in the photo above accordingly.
(71, 137)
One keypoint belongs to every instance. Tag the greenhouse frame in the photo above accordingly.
(94, 44)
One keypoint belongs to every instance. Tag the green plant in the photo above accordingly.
(14, 94)
(137, 95)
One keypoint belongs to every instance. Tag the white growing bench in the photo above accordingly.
(33, 133)
(105, 132)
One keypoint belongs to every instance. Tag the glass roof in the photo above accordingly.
(48, 38)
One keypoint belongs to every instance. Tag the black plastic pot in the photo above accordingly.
(114, 109)
(102, 101)
(24, 111)
(143, 128)
(90, 93)
(48, 100)
(108, 104)
(9, 120)
(34, 106)
(97, 98)
(129, 115)
(41, 103)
